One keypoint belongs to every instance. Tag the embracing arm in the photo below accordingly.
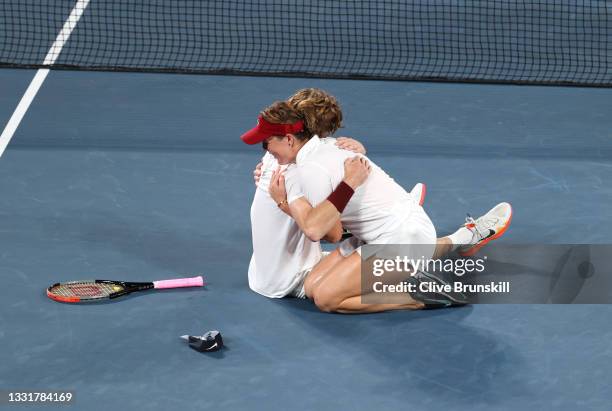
(257, 172)
(350, 144)
(335, 234)
(317, 221)
(301, 208)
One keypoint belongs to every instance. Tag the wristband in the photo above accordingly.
(282, 203)
(341, 196)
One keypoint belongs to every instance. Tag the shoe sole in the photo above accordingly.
(478, 246)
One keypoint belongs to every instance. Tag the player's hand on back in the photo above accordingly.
(257, 172)
(277, 189)
(350, 144)
(356, 171)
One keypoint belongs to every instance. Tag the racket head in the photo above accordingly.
(86, 291)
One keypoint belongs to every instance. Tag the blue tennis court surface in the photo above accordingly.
(143, 176)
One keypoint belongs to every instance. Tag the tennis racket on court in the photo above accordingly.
(97, 290)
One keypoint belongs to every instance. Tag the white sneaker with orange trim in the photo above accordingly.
(486, 228)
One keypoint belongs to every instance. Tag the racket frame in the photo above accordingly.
(128, 287)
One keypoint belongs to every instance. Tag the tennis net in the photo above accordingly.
(516, 41)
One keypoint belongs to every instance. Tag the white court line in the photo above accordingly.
(41, 74)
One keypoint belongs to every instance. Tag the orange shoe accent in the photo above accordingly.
(476, 247)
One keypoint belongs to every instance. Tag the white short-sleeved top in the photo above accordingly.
(281, 251)
(374, 208)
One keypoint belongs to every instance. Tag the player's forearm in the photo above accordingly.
(335, 234)
(320, 221)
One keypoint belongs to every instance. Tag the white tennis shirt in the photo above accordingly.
(374, 208)
(281, 251)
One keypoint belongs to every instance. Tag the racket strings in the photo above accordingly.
(85, 289)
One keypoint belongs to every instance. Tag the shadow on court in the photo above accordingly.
(421, 354)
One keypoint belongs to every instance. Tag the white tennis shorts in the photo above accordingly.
(413, 232)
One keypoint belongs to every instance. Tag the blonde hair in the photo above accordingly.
(319, 109)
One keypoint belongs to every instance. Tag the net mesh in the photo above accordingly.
(540, 42)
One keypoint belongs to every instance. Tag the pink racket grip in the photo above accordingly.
(180, 282)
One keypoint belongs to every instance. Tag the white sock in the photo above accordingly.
(461, 237)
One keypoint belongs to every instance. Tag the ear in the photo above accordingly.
(290, 138)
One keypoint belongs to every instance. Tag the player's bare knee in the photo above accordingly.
(324, 305)
(326, 302)
(309, 287)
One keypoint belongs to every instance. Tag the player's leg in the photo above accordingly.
(345, 248)
(319, 271)
(339, 290)
(444, 246)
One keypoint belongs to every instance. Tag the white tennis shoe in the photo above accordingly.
(486, 228)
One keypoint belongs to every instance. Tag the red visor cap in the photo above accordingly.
(265, 129)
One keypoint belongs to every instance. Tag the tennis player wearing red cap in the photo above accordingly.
(366, 200)
(283, 256)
